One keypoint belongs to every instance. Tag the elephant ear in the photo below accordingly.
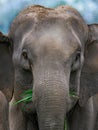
(89, 74)
(6, 67)
(3, 38)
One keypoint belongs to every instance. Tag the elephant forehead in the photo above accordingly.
(52, 39)
(58, 39)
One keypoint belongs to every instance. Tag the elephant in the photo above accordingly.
(48, 56)
(6, 80)
(95, 99)
(89, 80)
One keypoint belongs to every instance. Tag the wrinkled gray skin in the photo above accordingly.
(96, 111)
(80, 116)
(83, 118)
(6, 80)
(4, 107)
(48, 54)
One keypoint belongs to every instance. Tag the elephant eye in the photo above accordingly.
(77, 56)
(76, 61)
(24, 54)
(25, 61)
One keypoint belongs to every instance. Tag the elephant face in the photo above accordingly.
(6, 67)
(48, 49)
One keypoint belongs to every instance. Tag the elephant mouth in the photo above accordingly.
(26, 94)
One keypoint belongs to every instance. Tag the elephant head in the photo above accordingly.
(48, 55)
(6, 67)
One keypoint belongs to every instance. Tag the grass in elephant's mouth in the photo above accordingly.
(73, 94)
(27, 96)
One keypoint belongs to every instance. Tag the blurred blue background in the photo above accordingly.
(10, 8)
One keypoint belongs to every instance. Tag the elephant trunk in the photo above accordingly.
(51, 107)
(50, 95)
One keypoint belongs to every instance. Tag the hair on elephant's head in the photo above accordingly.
(6, 67)
(48, 55)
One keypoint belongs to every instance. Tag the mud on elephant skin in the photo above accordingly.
(6, 80)
(48, 54)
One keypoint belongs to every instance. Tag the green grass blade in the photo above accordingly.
(73, 94)
(22, 100)
(26, 97)
(27, 92)
(65, 125)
